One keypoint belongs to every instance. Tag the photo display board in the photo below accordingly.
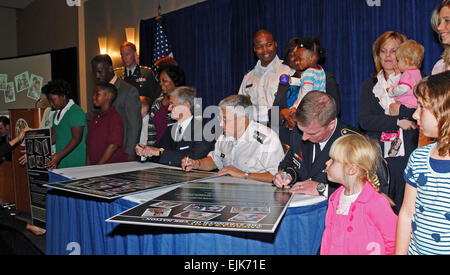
(38, 145)
(248, 207)
(21, 80)
(118, 185)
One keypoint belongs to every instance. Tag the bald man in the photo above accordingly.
(261, 83)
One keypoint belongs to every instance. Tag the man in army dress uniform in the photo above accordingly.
(139, 76)
(309, 146)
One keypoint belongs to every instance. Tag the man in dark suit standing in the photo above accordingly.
(5, 134)
(127, 102)
(310, 143)
(183, 138)
(141, 77)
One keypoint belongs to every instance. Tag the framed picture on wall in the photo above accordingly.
(3, 82)
(10, 93)
(22, 82)
(34, 92)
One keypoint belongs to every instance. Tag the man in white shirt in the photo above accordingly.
(183, 138)
(246, 149)
(261, 83)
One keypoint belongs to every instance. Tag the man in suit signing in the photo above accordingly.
(310, 143)
(183, 138)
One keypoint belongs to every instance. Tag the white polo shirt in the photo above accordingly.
(261, 84)
(258, 150)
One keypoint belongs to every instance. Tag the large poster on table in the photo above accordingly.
(252, 207)
(38, 151)
(118, 185)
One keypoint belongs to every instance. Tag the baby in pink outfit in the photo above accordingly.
(409, 58)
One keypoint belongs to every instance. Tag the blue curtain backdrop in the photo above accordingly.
(212, 40)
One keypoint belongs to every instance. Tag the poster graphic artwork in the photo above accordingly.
(38, 151)
(3, 82)
(10, 93)
(248, 207)
(34, 92)
(124, 184)
(22, 82)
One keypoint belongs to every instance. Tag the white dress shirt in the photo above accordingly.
(178, 135)
(258, 150)
(261, 84)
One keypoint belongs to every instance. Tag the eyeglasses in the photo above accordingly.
(225, 120)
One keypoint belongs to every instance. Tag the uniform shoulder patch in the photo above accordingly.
(259, 137)
(346, 131)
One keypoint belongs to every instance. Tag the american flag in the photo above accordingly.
(161, 48)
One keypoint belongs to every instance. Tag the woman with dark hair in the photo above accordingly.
(170, 77)
(69, 126)
(385, 120)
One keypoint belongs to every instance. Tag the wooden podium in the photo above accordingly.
(20, 119)
(7, 193)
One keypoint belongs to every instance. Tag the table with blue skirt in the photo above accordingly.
(76, 225)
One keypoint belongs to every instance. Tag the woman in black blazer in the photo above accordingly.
(377, 113)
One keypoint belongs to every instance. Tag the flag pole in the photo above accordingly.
(159, 12)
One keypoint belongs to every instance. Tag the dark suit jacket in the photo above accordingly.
(7, 154)
(373, 121)
(298, 160)
(128, 106)
(192, 144)
(5, 148)
(332, 88)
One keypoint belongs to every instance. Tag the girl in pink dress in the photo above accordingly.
(359, 219)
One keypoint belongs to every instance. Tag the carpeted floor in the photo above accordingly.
(38, 242)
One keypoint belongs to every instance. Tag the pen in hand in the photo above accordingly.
(186, 161)
(142, 157)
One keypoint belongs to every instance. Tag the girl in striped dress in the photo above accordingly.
(424, 220)
(307, 56)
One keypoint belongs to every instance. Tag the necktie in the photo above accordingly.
(180, 131)
(317, 151)
(129, 72)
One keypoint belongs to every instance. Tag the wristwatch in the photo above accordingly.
(321, 187)
(246, 175)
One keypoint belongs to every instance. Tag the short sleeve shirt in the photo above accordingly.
(261, 84)
(430, 232)
(258, 150)
(105, 128)
(73, 117)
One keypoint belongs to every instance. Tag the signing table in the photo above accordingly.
(76, 224)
